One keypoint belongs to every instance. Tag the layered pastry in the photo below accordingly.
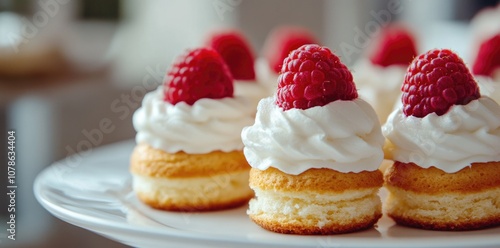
(189, 151)
(239, 57)
(379, 76)
(279, 43)
(486, 67)
(446, 140)
(315, 149)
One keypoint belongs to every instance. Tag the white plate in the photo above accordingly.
(93, 191)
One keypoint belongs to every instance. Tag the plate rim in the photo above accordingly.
(101, 226)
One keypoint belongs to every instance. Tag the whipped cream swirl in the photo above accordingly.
(207, 125)
(342, 135)
(465, 134)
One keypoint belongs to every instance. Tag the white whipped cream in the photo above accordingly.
(254, 91)
(464, 135)
(268, 77)
(490, 86)
(207, 125)
(379, 86)
(343, 135)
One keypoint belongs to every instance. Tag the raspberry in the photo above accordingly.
(313, 76)
(282, 41)
(396, 47)
(488, 57)
(199, 73)
(435, 81)
(234, 49)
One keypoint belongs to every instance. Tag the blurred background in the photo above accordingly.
(67, 64)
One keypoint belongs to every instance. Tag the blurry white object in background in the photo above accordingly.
(446, 34)
(22, 50)
(422, 14)
(87, 44)
(348, 25)
(154, 32)
(10, 26)
(29, 45)
(435, 27)
(485, 24)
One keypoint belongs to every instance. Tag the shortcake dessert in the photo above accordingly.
(446, 147)
(315, 149)
(189, 151)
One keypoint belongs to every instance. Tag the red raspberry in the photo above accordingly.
(282, 41)
(235, 51)
(199, 73)
(435, 81)
(313, 76)
(396, 47)
(488, 57)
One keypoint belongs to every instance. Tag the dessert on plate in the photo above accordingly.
(239, 57)
(379, 76)
(189, 151)
(446, 140)
(279, 43)
(486, 67)
(315, 149)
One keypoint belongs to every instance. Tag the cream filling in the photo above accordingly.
(220, 187)
(448, 207)
(314, 209)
